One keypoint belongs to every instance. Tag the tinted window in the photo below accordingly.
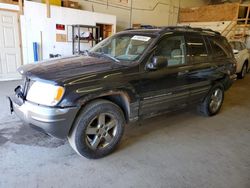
(173, 48)
(197, 48)
(220, 47)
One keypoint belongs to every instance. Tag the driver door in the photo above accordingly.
(164, 89)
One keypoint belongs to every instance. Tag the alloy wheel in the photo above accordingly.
(216, 100)
(101, 131)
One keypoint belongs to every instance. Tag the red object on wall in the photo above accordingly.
(60, 27)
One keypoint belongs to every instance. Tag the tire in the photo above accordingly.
(97, 130)
(243, 71)
(212, 105)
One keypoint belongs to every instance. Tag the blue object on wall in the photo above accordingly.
(35, 51)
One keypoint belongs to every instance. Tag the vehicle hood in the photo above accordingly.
(61, 69)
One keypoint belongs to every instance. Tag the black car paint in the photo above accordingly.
(144, 93)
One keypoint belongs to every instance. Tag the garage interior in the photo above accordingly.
(179, 149)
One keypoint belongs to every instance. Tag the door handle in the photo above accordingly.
(181, 73)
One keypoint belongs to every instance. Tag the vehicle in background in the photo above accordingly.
(242, 57)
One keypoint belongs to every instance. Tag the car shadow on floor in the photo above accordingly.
(18, 133)
(172, 121)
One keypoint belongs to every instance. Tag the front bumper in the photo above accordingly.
(54, 121)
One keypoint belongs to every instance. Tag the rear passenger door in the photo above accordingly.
(198, 80)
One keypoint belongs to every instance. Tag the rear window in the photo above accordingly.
(220, 47)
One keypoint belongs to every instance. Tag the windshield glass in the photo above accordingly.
(123, 47)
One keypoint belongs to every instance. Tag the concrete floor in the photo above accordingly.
(178, 150)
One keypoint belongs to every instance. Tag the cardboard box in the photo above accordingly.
(70, 4)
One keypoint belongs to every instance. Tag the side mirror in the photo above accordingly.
(158, 62)
(235, 51)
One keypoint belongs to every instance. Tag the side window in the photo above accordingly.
(220, 47)
(197, 49)
(174, 48)
(232, 44)
(243, 46)
(238, 46)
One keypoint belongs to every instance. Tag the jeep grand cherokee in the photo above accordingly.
(129, 76)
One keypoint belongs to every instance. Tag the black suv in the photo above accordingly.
(129, 76)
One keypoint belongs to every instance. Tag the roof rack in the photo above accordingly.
(188, 28)
(178, 28)
(144, 27)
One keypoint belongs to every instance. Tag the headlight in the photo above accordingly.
(45, 94)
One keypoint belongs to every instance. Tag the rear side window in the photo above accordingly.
(197, 49)
(220, 47)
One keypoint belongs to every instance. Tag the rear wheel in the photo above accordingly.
(243, 72)
(97, 130)
(213, 102)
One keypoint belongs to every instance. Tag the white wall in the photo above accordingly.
(146, 12)
(35, 23)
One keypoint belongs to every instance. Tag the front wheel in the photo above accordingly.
(213, 101)
(97, 130)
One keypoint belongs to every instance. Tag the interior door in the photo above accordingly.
(10, 58)
(164, 89)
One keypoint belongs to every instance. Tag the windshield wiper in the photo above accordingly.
(89, 53)
(110, 57)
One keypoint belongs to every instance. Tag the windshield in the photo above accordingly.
(123, 47)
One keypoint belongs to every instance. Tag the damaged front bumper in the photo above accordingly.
(54, 121)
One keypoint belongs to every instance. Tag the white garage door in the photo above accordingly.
(10, 58)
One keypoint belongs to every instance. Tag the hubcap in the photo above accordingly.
(216, 100)
(101, 131)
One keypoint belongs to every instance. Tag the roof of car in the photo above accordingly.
(162, 30)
